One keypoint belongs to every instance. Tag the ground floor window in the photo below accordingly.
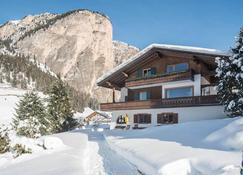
(167, 118)
(142, 118)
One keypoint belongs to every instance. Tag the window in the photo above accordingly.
(142, 118)
(147, 72)
(142, 95)
(177, 67)
(179, 92)
(167, 118)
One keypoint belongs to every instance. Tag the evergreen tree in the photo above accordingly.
(30, 118)
(230, 73)
(59, 108)
(4, 139)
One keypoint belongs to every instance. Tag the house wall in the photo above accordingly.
(124, 93)
(158, 90)
(185, 114)
(196, 85)
(161, 63)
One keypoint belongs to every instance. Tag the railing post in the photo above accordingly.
(113, 95)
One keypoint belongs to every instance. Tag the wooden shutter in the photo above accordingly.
(135, 118)
(148, 118)
(175, 118)
(148, 95)
(139, 73)
(153, 71)
(136, 96)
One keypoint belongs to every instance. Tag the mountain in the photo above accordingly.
(25, 73)
(77, 45)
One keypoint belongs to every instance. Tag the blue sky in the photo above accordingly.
(204, 23)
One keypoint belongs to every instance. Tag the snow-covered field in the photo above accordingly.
(210, 147)
(199, 148)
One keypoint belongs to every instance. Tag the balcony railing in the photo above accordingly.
(160, 78)
(210, 100)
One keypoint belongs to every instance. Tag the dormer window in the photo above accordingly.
(181, 67)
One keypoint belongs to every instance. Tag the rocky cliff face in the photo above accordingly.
(78, 45)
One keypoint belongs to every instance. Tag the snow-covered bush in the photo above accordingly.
(20, 149)
(4, 140)
(230, 74)
(30, 118)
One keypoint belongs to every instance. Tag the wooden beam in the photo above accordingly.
(125, 74)
(112, 85)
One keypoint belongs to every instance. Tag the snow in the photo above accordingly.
(162, 46)
(68, 160)
(9, 97)
(14, 22)
(195, 148)
(52, 143)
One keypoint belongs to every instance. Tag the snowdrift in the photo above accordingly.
(193, 148)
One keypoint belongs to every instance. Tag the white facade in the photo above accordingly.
(185, 114)
(196, 84)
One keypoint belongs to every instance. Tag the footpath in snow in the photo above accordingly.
(103, 160)
(86, 153)
(210, 147)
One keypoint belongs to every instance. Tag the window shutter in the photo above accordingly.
(139, 73)
(175, 118)
(153, 71)
(149, 118)
(148, 95)
(135, 118)
(136, 96)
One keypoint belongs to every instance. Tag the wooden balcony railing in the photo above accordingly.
(160, 78)
(210, 100)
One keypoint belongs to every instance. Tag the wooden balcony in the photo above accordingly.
(161, 78)
(210, 100)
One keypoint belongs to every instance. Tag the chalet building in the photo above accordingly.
(165, 84)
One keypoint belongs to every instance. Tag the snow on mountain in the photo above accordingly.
(13, 30)
(70, 44)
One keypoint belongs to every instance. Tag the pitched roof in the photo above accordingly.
(179, 48)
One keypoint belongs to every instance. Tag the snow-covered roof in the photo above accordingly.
(191, 49)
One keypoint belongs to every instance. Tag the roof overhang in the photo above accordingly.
(117, 76)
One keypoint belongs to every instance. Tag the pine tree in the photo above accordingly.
(30, 118)
(230, 74)
(59, 108)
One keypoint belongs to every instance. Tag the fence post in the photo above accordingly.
(241, 167)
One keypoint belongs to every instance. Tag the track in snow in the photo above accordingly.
(113, 163)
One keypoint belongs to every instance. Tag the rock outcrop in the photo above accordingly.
(77, 45)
